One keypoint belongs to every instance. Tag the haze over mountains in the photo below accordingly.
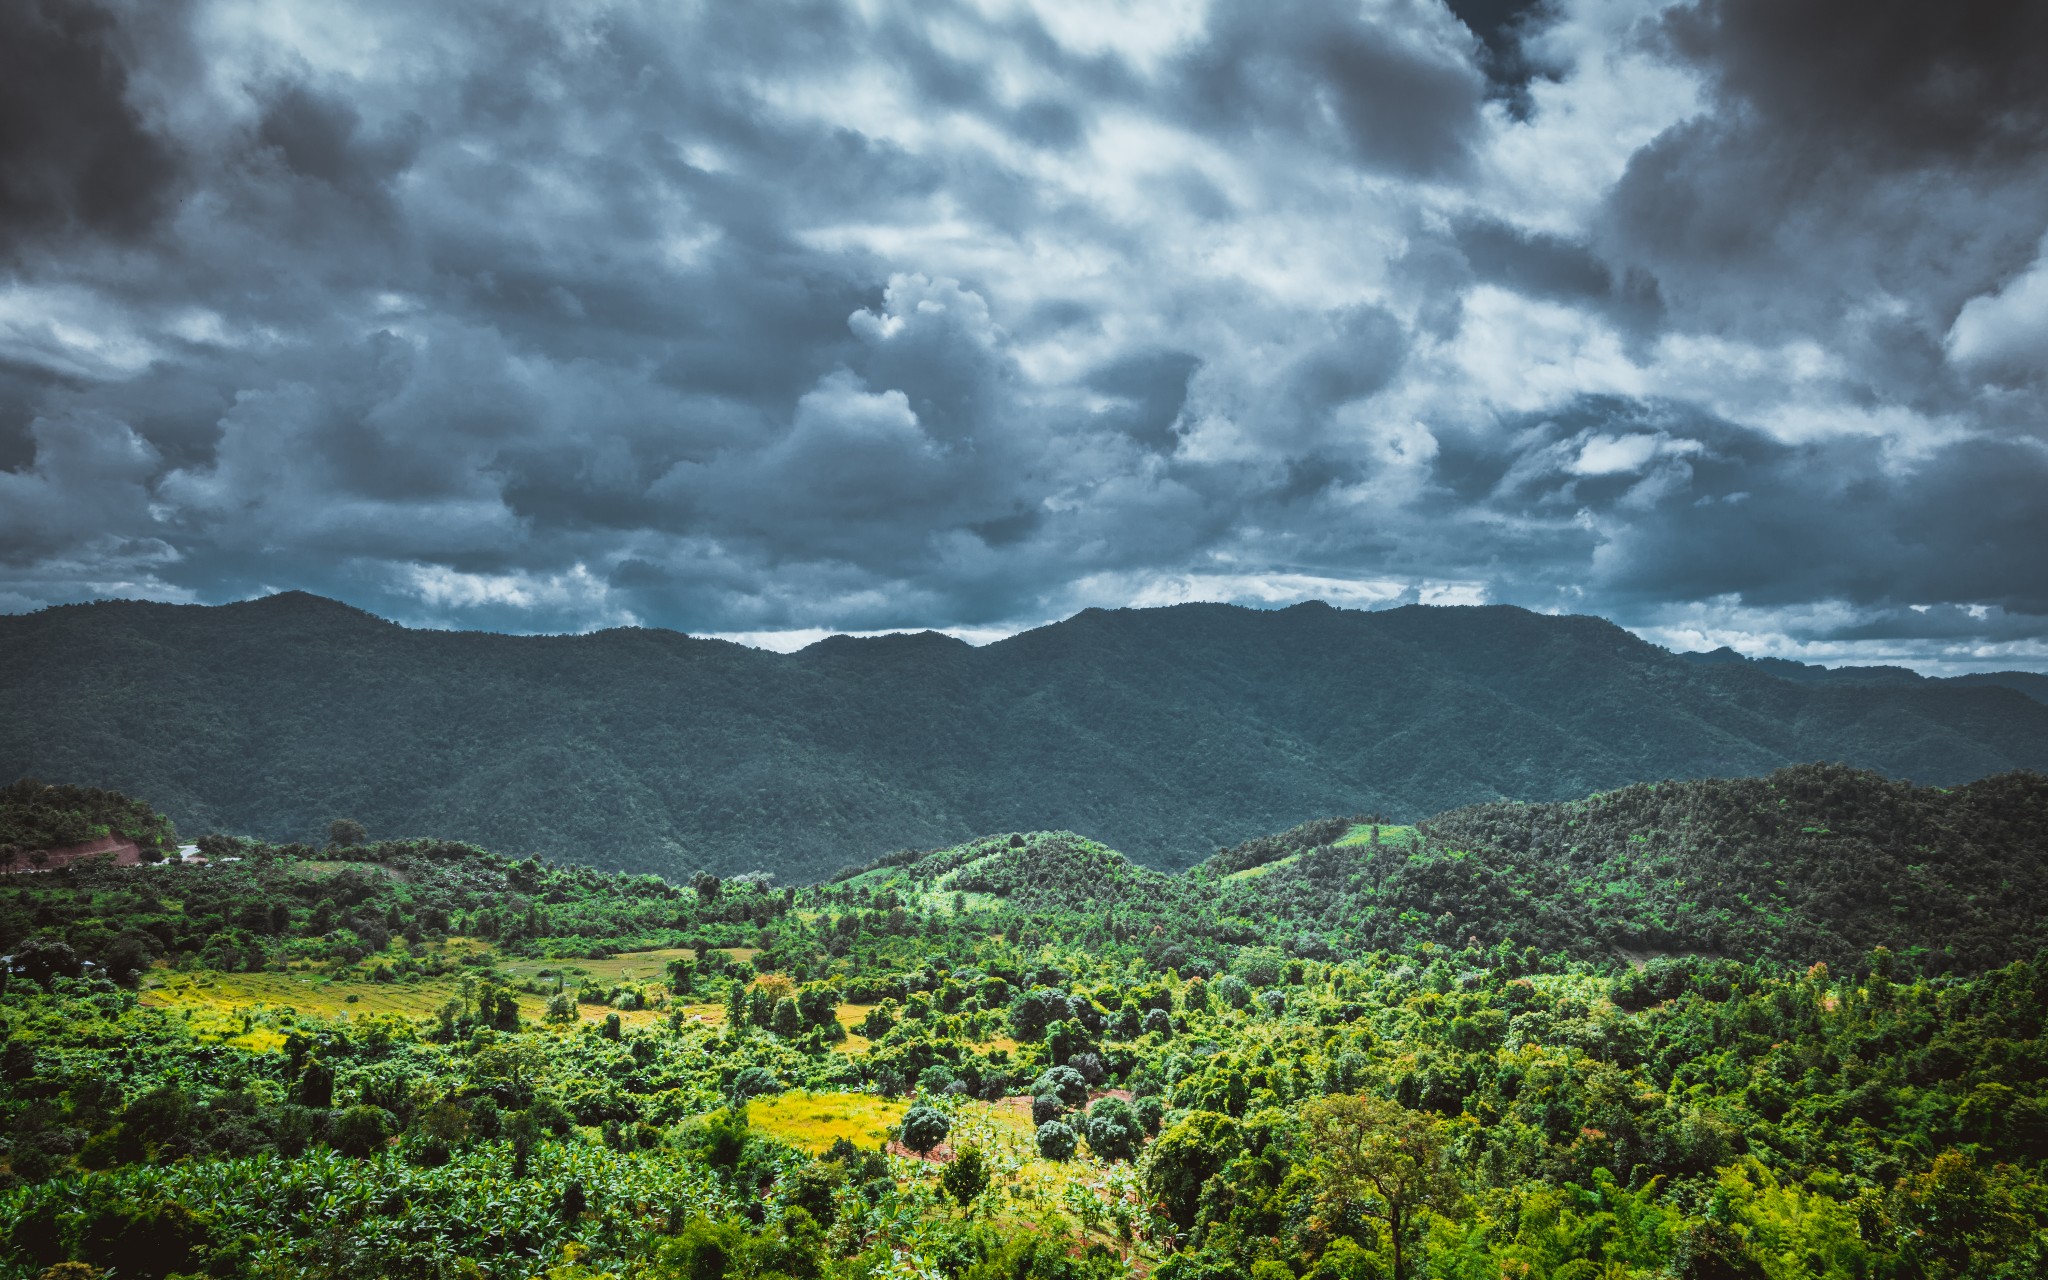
(1161, 732)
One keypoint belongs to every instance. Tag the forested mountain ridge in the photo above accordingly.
(1816, 863)
(1163, 732)
(2032, 683)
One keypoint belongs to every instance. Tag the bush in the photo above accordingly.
(755, 1082)
(361, 1131)
(1045, 1109)
(924, 1128)
(967, 1176)
(1057, 1140)
(1147, 1112)
(1113, 1130)
(1064, 1083)
(1231, 990)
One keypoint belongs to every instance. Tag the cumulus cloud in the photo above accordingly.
(1725, 318)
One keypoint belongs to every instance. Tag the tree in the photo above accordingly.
(924, 1128)
(679, 976)
(753, 1082)
(361, 1130)
(1113, 1131)
(967, 1176)
(346, 833)
(1379, 1159)
(43, 957)
(1056, 1140)
(1231, 990)
(1961, 1219)
(1064, 1083)
(1184, 1157)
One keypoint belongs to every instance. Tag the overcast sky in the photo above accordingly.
(1728, 321)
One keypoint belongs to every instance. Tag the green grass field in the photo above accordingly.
(1362, 834)
(814, 1121)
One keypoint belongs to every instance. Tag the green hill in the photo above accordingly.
(420, 1058)
(1166, 732)
(1816, 863)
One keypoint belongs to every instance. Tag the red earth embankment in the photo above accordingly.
(122, 852)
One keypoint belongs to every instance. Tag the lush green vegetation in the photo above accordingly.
(1025, 1058)
(35, 819)
(1165, 732)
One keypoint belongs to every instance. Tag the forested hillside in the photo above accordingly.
(1816, 863)
(1166, 733)
(1025, 1058)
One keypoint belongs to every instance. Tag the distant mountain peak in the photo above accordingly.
(1160, 732)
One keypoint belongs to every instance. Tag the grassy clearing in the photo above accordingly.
(709, 1014)
(247, 1008)
(851, 1016)
(1362, 834)
(231, 994)
(814, 1121)
(323, 870)
(627, 966)
(1264, 868)
(1102, 1200)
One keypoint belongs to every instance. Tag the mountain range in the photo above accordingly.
(1166, 733)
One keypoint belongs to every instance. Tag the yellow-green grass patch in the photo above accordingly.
(1264, 868)
(626, 966)
(1362, 834)
(219, 1001)
(710, 1014)
(319, 996)
(814, 1121)
(851, 1016)
(322, 869)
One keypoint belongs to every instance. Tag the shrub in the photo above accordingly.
(967, 1176)
(1113, 1130)
(1064, 1083)
(1057, 1140)
(924, 1128)
(755, 1082)
(360, 1131)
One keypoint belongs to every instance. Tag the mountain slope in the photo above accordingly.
(2032, 683)
(1164, 732)
(1811, 863)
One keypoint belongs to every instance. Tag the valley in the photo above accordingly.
(1660, 1031)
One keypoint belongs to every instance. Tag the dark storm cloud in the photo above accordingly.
(75, 154)
(1854, 149)
(1502, 27)
(1693, 507)
(1391, 86)
(776, 317)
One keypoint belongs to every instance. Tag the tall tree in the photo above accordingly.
(1377, 1159)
